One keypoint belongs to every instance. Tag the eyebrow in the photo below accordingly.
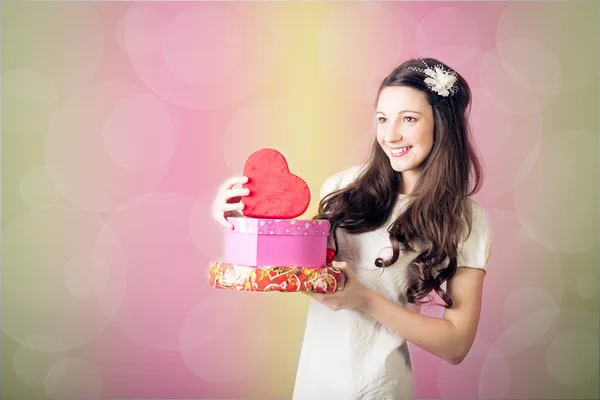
(400, 112)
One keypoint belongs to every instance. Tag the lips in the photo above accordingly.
(399, 151)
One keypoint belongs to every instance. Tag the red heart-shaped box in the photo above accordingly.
(274, 191)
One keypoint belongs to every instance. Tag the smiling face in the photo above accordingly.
(405, 130)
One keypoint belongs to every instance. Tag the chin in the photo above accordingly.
(398, 166)
(397, 169)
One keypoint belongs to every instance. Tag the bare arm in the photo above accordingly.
(450, 337)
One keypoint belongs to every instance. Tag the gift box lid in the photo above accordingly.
(280, 227)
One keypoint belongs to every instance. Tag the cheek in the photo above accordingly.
(428, 143)
(379, 135)
(426, 139)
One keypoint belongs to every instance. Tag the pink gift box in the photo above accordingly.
(288, 242)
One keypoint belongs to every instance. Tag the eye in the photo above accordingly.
(381, 120)
(410, 119)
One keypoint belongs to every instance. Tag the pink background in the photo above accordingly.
(120, 120)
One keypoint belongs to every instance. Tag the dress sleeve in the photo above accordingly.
(336, 182)
(340, 180)
(475, 251)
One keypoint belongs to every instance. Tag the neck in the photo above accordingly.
(409, 178)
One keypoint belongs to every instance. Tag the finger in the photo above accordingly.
(340, 264)
(316, 296)
(233, 207)
(236, 180)
(231, 193)
(326, 297)
(349, 274)
(221, 220)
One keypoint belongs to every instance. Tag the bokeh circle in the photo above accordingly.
(565, 170)
(73, 378)
(572, 357)
(75, 146)
(48, 271)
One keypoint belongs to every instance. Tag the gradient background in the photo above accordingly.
(120, 120)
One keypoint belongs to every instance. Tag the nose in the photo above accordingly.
(393, 134)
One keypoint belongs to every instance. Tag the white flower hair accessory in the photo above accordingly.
(440, 80)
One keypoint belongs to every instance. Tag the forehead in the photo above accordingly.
(396, 98)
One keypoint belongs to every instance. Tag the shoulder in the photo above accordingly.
(475, 249)
(341, 179)
(478, 214)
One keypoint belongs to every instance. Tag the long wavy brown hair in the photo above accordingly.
(438, 212)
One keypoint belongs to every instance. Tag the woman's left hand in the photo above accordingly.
(354, 295)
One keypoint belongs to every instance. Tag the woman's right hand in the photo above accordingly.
(229, 201)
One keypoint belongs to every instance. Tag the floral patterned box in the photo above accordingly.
(281, 279)
(267, 242)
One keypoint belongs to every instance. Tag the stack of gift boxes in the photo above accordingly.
(264, 253)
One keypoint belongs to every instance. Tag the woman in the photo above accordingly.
(402, 225)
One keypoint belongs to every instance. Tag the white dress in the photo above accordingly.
(347, 355)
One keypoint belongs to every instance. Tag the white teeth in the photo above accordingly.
(400, 150)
